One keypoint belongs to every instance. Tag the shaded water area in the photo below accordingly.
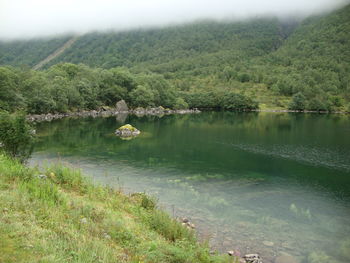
(271, 183)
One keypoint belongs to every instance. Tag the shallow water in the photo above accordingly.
(272, 183)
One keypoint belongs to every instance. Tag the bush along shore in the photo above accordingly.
(55, 214)
(121, 108)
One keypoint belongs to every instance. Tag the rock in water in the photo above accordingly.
(127, 131)
(185, 220)
(121, 106)
(252, 258)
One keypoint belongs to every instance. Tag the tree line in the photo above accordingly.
(68, 87)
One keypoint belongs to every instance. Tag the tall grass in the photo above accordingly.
(168, 227)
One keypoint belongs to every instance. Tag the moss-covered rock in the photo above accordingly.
(127, 130)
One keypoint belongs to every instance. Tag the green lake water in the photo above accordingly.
(268, 183)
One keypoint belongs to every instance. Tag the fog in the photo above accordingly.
(34, 18)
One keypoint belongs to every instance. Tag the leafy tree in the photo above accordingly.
(10, 97)
(164, 93)
(298, 102)
(88, 92)
(123, 78)
(180, 104)
(142, 97)
(318, 104)
(59, 88)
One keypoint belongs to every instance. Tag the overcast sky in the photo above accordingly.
(31, 18)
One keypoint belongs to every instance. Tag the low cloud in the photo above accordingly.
(33, 18)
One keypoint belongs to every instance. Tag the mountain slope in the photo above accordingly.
(56, 53)
(315, 59)
(267, 59)
(28, 52)
(156, 46)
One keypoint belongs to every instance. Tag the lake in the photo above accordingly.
(269, 183)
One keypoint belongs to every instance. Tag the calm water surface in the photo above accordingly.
(272, 183)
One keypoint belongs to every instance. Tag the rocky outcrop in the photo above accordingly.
(127, 131)
(121, 106)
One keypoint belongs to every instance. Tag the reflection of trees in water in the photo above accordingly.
(228, 143)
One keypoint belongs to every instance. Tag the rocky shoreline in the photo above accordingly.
(265, 252)
(121, 108)
(139, 112)
(106, 112)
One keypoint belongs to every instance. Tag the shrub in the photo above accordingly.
(180, 104)
(148, 202)
(16, 135)
(236, 101)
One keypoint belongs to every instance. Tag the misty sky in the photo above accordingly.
(31, 18)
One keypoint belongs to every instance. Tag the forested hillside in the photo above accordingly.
(157, 46)
(314, 62)
(29, 52)
(280, 64)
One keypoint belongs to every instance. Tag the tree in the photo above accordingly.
(142, 97)
(59, 88)
(10, 96)
(164, 93)
(318, 104)
(123, 78)
(298, 102)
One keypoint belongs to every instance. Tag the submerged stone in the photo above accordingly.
(268, 243)
(286, 258)
(252, 258)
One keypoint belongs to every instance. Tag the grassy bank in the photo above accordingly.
(61, 217)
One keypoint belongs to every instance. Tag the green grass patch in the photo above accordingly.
(62, 217)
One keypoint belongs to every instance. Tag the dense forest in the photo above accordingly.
(265, 62)
(68, 87)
